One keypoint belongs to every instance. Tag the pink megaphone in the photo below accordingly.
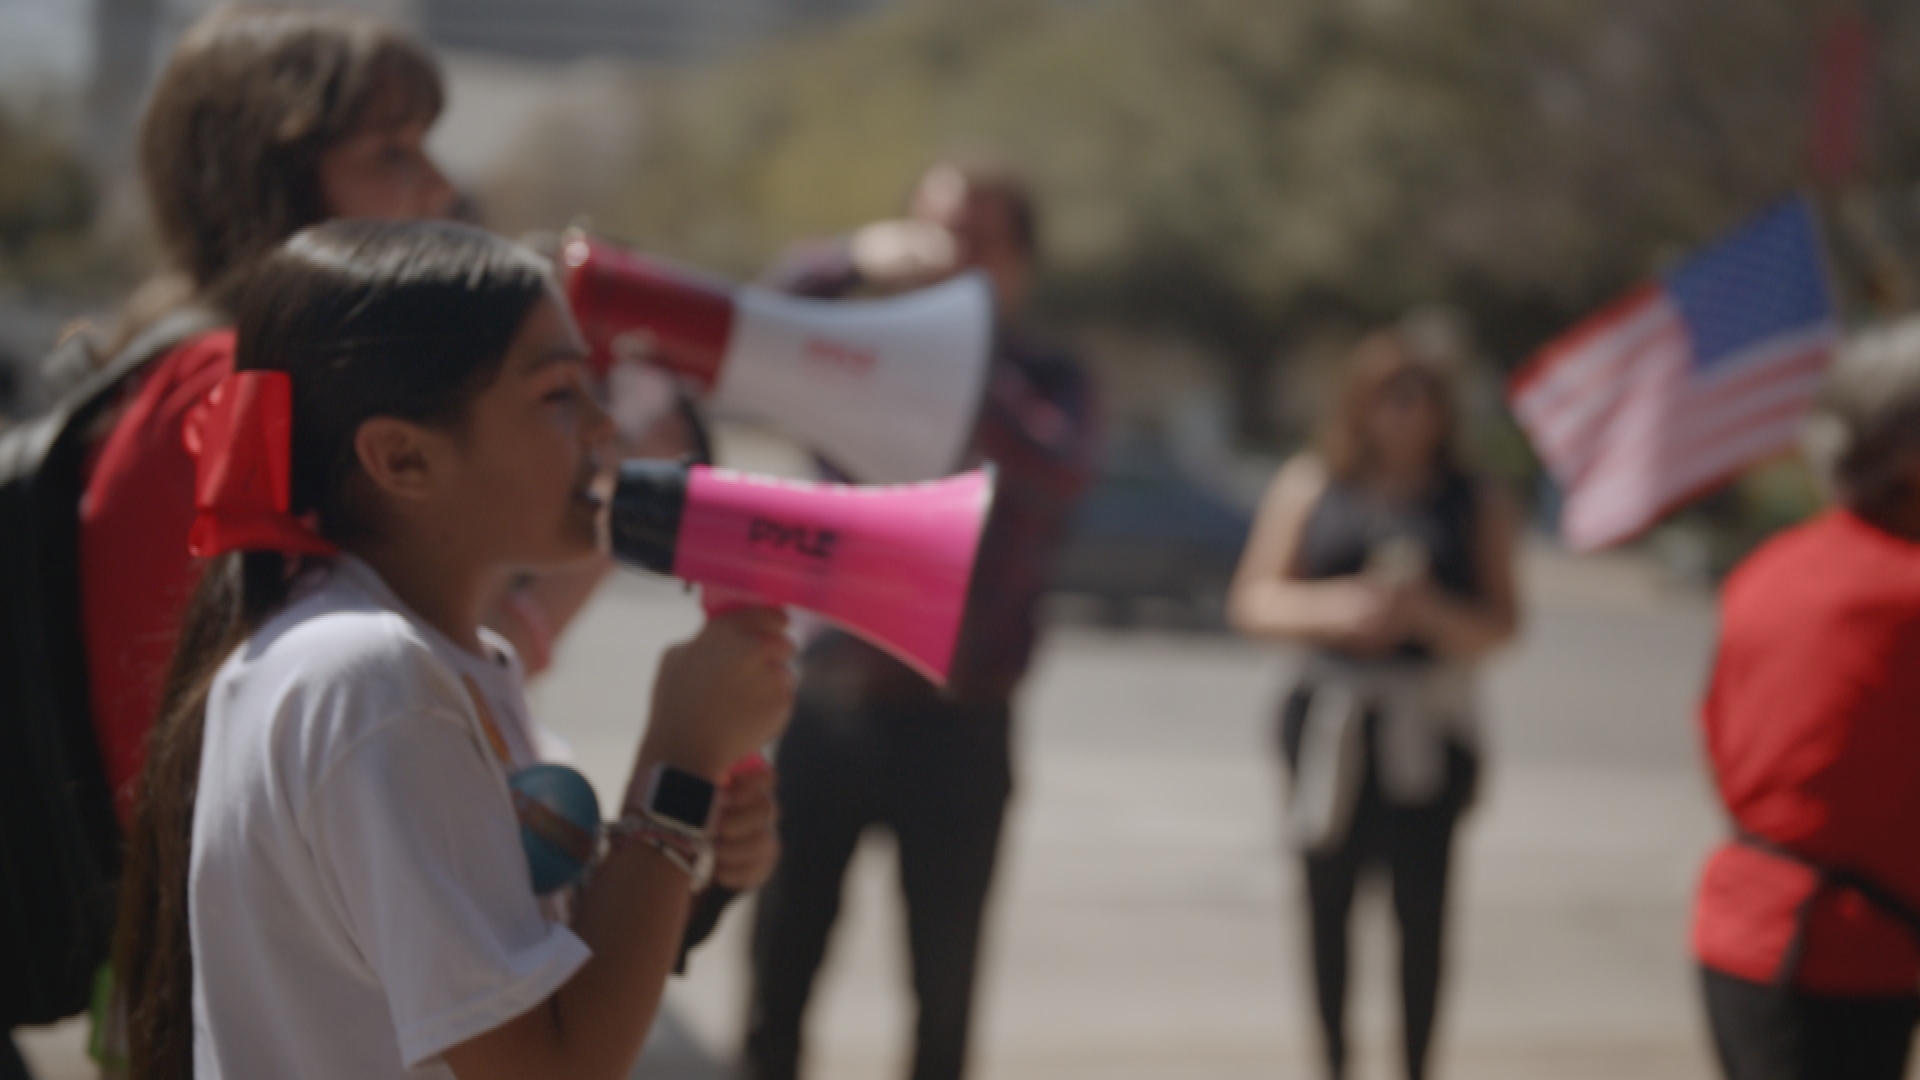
(891, 564)
(885, 389)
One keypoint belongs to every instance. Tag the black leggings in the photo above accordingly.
(1414, 845)
(939, 778)
(1763, 1033)
(12, 1065)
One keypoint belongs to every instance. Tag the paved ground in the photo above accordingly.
(1146, 924)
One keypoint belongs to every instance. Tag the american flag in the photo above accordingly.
(1684, 382)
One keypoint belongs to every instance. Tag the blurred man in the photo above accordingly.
(872, 743)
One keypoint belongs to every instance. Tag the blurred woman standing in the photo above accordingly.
(1391, 565)
(1807, 925)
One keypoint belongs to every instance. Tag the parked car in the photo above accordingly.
(1152, 542)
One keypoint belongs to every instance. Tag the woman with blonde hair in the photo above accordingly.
(1390, 565)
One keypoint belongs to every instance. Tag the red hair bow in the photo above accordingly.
(241, 438)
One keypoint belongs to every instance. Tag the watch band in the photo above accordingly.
(686, 848)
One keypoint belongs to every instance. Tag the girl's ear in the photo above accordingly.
(403, 460)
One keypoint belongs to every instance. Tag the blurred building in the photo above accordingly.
(646, 31)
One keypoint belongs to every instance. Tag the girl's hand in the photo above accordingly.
(746, 841)
(722, 695)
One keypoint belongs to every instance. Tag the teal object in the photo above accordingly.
(559, 824)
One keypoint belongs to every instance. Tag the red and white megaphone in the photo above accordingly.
(891, 564)
(886, 390)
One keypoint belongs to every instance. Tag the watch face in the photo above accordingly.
(682, 797)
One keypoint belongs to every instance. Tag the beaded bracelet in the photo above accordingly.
(691, 852)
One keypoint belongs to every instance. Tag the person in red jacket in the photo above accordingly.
(1807, 924)
(264, 122)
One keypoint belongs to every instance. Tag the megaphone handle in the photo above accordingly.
(713, 900)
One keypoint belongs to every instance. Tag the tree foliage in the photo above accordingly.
(1243, 173)
(46, 196)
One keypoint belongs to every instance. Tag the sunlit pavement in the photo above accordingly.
(1145, 921)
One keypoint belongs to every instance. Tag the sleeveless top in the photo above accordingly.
(1349, 527)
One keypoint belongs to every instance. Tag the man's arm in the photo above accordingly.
(817, 269)
(888, 256)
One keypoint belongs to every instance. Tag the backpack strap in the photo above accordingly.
(39, 446)
(162, 335)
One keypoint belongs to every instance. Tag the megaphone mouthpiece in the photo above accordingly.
(644, 514)
(687, 317)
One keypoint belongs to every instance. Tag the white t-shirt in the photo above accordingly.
(359, 895)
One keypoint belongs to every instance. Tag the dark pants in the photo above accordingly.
(1761, 1032)
(1413, 844)
(12, 1065)
(937, 776)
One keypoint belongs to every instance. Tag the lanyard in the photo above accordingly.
(559, 848)
(488, 724)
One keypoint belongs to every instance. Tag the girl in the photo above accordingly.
(265, 121)
(1394, 568)
(325, 876)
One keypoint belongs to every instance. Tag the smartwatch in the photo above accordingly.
(679, 798)
(672, 818)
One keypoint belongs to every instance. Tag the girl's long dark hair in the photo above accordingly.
(367, 319)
